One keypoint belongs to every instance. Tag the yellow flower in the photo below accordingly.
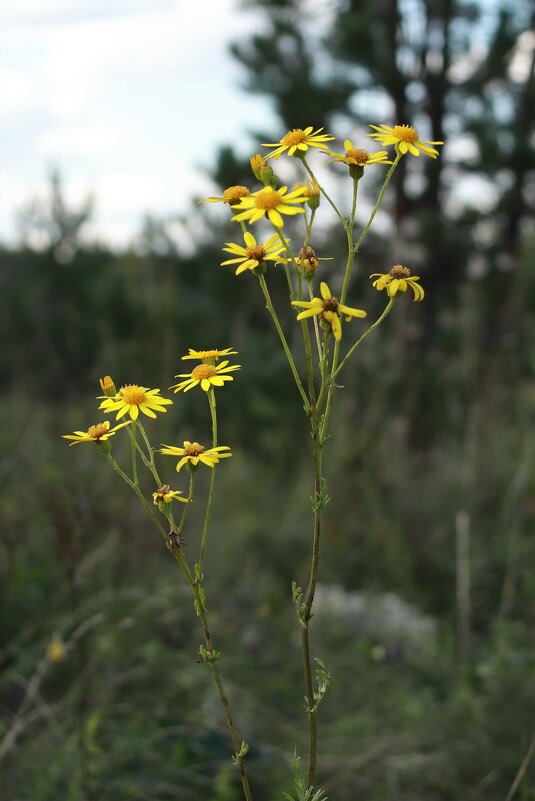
(357, 157)
(166, 495)
(328, 309)
(398, 280)
(231, 195)
(208, 356)
(297, 142)
(405, 139)
(253, 255)
(192, 453)
(56, 650)
(132, 399)
(97, 433)
(207, 375)
(270, 202)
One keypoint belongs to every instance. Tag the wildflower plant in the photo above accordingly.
(332, 331)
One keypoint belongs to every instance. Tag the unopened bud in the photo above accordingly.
(108, 387)
(313, 194)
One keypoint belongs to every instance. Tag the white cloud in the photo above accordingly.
(93, 137)
(125, 96)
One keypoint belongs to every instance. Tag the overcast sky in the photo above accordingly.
(127, 97)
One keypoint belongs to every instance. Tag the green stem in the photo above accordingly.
(201, 611)
(200, 606)
(291, 256)
(379, 201)
(204, 536)
(324, 193)
(132, 432)
(139, 494)
(304, 327)
(150, 464)
(308, 601)
(309, 224)
(359, 341)
(293, 368)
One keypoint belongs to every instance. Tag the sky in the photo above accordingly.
(128, 98)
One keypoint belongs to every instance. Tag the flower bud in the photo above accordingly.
(108, 387)
(313, 194)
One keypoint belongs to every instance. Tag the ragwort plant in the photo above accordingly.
(324, 321)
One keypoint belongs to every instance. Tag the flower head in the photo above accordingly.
(271, 203)
(357, 157)
(397, 281)
(297, 141)
(100, 432)
(56, 650)
(405, 139)
(208, 356)
(328, 309)
(132, 399)
(231, 195)
(207, 375)
(166, 495)
(253, 255)
(192, 453)
(307, 260)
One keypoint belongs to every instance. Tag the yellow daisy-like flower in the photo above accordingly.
(208, 356)
(192, 453)
(297, 141)
(132, 399)
(405, 139)
(207, 375)
(231, 195)
(253, 255)
(271, 203)
(165, 494)
(397, 281)
(97, 433)
(357, 157)
(328, 309)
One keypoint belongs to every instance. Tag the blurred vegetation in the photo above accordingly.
(433, 697)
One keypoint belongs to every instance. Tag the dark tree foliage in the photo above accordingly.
(460, 71)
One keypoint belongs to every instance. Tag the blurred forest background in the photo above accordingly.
(425, 615)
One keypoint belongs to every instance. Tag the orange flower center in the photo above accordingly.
(193, 449)
(399, 271)
(357, 154)
(234, 193)
(330, 305)
(294, 137)
(405, 133)
(162, 491)
(267, 199)
(133, 395)
(96, 432)
(256, 253)
(203, 371)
